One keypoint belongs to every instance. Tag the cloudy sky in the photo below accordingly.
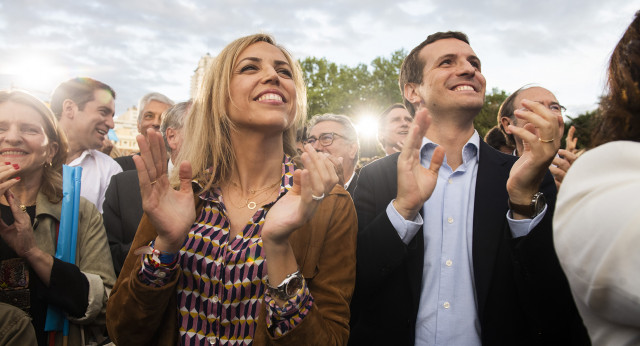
(141, 46)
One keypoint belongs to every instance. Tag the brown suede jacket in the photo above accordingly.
(325, 249)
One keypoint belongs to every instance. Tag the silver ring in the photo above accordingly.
(317, 198)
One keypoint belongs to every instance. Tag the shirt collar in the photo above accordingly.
(346, 185)
(469, 150)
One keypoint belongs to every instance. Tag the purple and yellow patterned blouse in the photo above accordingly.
(221, 287)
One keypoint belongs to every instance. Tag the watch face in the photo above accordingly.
(294, 285)
(540, 202)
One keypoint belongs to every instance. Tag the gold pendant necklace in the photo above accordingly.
(252, 204)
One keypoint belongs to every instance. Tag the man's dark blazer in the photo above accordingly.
(352, 186)
(122, 211)
(126, 162)
(522, 295)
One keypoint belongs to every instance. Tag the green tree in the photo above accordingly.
(488, 116)
(584, 124)
(352, 90)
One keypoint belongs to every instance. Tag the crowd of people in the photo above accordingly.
(239, 222)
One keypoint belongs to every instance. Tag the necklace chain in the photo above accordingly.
(253, 191)
(252, 204)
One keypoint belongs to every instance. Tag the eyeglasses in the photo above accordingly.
(554, 107)
(325, 139)
(557, 108)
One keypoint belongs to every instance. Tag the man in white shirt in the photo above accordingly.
(334, 134)
(85, 108)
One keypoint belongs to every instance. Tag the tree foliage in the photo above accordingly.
(584, 124)
(488, 116)
(352, 90)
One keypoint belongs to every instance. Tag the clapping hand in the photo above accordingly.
(541, 139)
(415, 182)
(171, 211)
(310, 186)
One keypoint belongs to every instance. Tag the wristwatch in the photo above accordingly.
(288, 287)
(532, 210)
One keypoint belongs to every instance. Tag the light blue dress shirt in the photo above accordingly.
(447, 314)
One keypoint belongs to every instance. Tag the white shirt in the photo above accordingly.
(97, 169)
(596, 232)
(346, 185)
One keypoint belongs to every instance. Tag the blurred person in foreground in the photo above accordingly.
(123, 203)
(84, 108)
(266, 254)
(596, 224)
(32, 151)
(506, 116)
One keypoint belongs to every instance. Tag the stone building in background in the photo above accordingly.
(198, 74)
(126, 128)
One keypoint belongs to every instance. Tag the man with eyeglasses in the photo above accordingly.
(506, 116)
(335, 135)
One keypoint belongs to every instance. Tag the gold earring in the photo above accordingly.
(47, 164)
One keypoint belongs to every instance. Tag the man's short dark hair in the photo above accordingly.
(412, 66)
(80, 90)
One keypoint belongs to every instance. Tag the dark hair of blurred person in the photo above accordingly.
(497, 140)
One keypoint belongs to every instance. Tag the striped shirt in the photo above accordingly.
(221, 287)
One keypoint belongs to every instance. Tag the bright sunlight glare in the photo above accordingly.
(366, 126)
(33, 73)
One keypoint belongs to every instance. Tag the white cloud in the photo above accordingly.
(140, 46)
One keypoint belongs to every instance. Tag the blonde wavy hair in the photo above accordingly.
(207, 145)
(51, 175)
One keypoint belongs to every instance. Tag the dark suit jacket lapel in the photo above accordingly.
(488, 217)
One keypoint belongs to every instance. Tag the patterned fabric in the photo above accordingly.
(221, 286)
(282, 319)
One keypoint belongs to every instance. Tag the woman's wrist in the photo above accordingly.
(167, 246)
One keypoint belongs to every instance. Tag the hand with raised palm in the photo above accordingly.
(415, 182)
(171, 211)
(294, 209)
(541, 138)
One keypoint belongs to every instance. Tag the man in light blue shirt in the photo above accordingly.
(454, 243)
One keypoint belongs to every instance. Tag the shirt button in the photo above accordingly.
(161, 274)
(448, 263)
(446, 305)
(215, 299)
(450, 181)
(450, 219)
